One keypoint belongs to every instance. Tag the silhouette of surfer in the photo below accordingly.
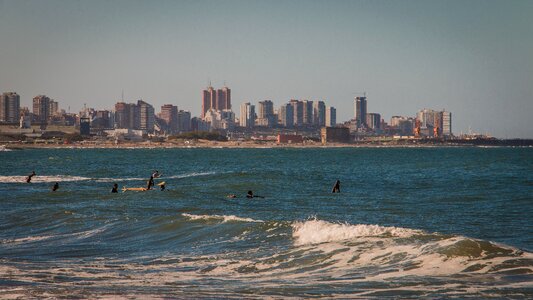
(115, 188)
(250, 194)
(336, 187)
(55, 187)
(150, 183)
(28, 179)
(162, 185)
(156, 174)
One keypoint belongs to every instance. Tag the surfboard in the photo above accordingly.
(138, 189)
(161, 183)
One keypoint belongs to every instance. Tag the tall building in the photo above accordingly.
(41, 108)
(169, 114)
(124, 115)
(184, 121)
(360, 111)
(446, 123)
(209, 99)
(435, 123)
(331, 116)
(265, 113)
(223, 99)
(286, 115)
(54, 107)
(307, 112)
(373, 121)
(298, 110)
(9, 107)
(215, 99)
(247, 118)
(319, 113)
(146, 116)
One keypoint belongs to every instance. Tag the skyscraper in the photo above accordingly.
(223, 99)
(446, 123)
(41, 108)
(307, 112)
(169, 114)
(215, 99)
(184, 121)
(298, 110)
(146, 116)
(9, 107)
(319, 113)
(247, 118)
(209, 99)
(360, 111)
(286, 115)
(331, 116)
(265, 113)
(373, 121)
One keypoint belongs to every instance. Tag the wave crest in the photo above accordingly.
(230, 218)
(318, 231)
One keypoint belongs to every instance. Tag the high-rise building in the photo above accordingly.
(286, 115)
(435, 123)
(146, 116)
(307, 112)
(373, 121)
(331, 116)
(298, 110)
(184, 121)
(265, 113)
(9, 107)
(360, 111)
(247, 118)
(215, 99)
(122, 115)
(54, 107)
(209, 99)
(41, 108)
(223, 99)
(319, 113)
(446, 123)
(169, 114)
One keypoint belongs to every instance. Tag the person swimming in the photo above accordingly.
(55, 187)
(28, 179)
(162, 185)
(250, 194)
(115, 188)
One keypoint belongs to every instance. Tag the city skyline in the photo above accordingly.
(407, 56)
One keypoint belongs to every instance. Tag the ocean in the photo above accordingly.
(407, 223)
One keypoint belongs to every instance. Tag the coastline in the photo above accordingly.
(260, 144)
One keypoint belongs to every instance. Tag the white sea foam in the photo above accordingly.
(42, 178)
(224, 218)
(68, 178)
(318, 231)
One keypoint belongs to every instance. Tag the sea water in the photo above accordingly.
(408, 222)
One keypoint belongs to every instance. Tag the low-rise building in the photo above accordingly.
(335, 135)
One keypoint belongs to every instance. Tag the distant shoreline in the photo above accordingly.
(255, 144)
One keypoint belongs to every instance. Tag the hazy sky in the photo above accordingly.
(473, 58)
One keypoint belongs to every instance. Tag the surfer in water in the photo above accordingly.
(250, 194)
(28, 179)
(55, 187)
(156, 174)
(150, 183)
(336, 187)
(115, 188)
(162, 185)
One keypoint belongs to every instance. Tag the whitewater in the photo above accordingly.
(408, 223)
